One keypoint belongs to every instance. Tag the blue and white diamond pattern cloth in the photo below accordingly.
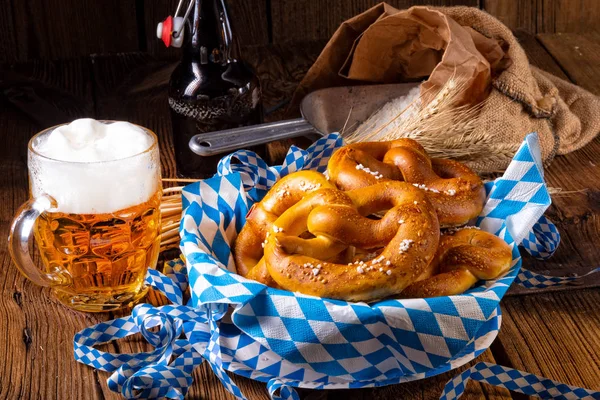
(532, 280)
(520, 195)
(144, 376)
(542, 241)
(351, 342)
(516, 381)
(289, 339)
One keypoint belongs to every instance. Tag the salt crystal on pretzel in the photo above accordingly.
(338, 219)
(249, 245)
(456, 192)
(460, 261)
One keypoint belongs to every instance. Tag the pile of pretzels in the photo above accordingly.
(386, 220)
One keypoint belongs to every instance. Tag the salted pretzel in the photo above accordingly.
(408, 232)
(463, 257)
(455, 191)
(248, 247)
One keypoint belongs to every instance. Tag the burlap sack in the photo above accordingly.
(386, 45)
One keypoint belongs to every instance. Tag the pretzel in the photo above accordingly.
(408, 232)
(248, 247)
(456, 192)
(463, 257)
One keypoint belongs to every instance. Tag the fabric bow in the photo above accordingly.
(166, 371)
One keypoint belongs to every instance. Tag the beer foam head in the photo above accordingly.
(92, 167)
(88, 140)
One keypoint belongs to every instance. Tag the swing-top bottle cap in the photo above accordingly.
(171, 31)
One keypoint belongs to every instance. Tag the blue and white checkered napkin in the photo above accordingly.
(355, 344)
(515, 381)
(290, 339)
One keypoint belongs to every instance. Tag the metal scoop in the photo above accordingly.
(323, 111)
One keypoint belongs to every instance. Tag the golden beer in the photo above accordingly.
(102, 258)
(94, 211)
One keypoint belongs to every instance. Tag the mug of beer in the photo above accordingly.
(94, 210)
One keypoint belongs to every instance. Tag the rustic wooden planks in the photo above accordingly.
(310, 19)
(578, 55)
(578, 210)
(575, 16)
(8, 46)
(36, 332)
(555, 335)
(250, 20)
(576, 213)
(300, 20)
(72, 28)
(573, 210)
(546, 16)
(37, 29)
(516, 14)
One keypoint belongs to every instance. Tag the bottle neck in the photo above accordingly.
(211, 39)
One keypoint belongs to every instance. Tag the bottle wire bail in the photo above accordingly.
(171, 30)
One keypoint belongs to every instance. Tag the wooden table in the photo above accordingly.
(555, 333)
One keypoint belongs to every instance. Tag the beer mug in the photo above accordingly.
(95, 219)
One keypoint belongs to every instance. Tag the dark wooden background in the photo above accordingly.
(53, 29)
(554, 333)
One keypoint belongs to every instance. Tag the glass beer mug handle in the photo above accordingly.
(20, 235)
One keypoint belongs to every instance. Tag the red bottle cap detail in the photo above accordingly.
(174, 26)
(165, 29)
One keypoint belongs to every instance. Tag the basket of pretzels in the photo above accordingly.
(358, 265)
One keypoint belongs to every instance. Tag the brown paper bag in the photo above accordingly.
(386, 45)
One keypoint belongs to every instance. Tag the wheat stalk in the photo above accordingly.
(554, 191)
(170, 210)
(441, 127)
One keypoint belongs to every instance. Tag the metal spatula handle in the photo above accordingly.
(211, 143)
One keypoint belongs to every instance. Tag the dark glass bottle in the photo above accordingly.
(212, 88)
